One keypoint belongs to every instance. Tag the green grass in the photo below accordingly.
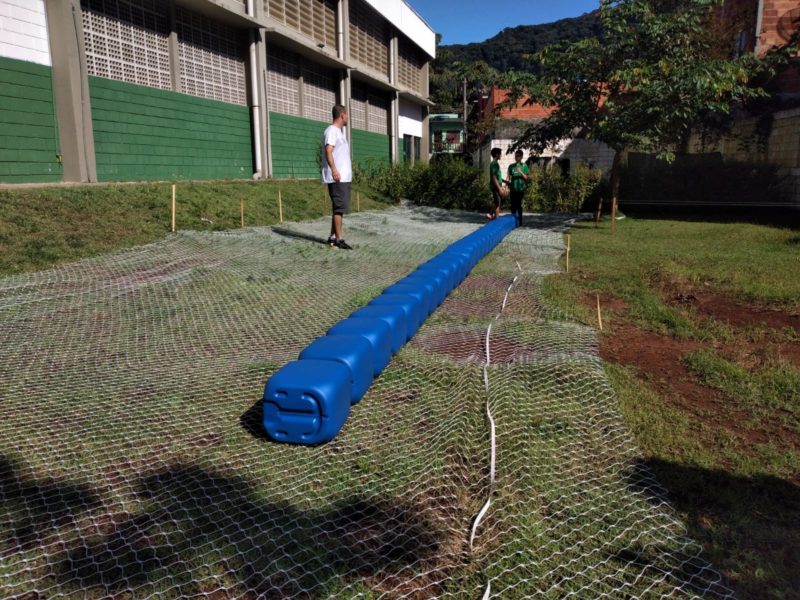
(647, 260)
(43, 226)
(730, 466)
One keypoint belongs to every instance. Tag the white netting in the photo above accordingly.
(134, 464)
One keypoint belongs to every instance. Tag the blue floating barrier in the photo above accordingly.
(428, 283)
(444, 274)
(395, 318)
(376, 332)
(307, 402)
(414, 290)
(411, 305)
(353, 351)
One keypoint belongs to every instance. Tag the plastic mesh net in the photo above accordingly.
(133, 463)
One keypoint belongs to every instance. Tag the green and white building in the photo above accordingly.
(127, 90)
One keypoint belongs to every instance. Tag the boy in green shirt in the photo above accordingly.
(518, 179)
(496, 182)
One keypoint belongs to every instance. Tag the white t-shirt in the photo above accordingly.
(341, 155)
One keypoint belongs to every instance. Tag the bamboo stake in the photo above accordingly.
(599, 314)
(358, 201)
(569, 239)
(173, 208)
(324, 208)
(614, 216)
(280, 206)
(241, 210)
(599, 213)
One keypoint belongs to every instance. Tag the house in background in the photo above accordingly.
(510, 122)
(447, 134)
(126, 90)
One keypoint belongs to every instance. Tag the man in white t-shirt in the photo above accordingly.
(337, 172)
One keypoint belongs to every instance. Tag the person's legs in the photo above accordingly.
(340, 204)
(516, 206)
(495, 212)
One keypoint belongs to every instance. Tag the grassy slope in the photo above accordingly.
(43, 226)
(739, 501)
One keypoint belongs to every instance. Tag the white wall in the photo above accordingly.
(402, 16)
(577, 151)
(23, 31)
(410, 119)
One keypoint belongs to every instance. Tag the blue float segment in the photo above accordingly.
(307, 402)
(376, 332)
(354, 352)
(437, 279)
(428, 283)
(426, 298)
(411, 305)
(395, 318)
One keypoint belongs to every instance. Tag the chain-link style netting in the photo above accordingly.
(134, 464)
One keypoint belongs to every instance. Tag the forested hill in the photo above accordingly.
(505, 50)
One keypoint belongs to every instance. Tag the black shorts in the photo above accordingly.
(498, 199)
(340, 197)
(516, 201)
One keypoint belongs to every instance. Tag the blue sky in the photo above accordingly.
(464, 21)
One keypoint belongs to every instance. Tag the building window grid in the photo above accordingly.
(369, 37)
(319, 92)
(313, 18)
(283, 81)
(410, 65)
(378, 110)
(127, 41)
(211, 59)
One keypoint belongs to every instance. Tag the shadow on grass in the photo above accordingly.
(749, 527)
(200, 531)
(39, 507)
(299, 235)
(252, 421)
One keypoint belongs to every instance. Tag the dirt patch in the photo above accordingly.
(735, 314)
(660, 360)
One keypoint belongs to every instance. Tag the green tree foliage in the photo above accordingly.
(509, 48)
(655, 75)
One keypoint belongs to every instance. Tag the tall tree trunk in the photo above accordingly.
(615, 177)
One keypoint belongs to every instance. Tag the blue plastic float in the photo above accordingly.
(308, 401)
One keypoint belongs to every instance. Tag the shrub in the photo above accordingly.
(447, 183)
(551, 191)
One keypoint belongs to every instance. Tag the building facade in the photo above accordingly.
(128, 90)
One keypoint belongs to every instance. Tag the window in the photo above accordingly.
(369, 37)
(408, 149)
(417, 149)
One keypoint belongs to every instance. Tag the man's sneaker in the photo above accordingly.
(344, 245)
(332, 242)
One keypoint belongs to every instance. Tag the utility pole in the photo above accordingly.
(466, 131)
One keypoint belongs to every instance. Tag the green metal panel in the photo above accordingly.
(296, 146)
(29, 145)
(142, 133)
(370, 147)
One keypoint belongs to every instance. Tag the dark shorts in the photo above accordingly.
(516, 201)
(498, 199)
(340, 197)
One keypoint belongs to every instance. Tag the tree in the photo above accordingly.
(654, 76)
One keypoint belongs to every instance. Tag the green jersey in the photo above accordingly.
(515, 171)
(495, 171)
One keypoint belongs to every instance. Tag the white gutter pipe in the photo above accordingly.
(256, 106)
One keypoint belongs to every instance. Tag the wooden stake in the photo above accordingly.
(241, 210)
(614, 216)
(358, 201)
(599, 314)
(599, 213)
(569, 238)
(173, 208)
(324, 207)
(280, 206)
